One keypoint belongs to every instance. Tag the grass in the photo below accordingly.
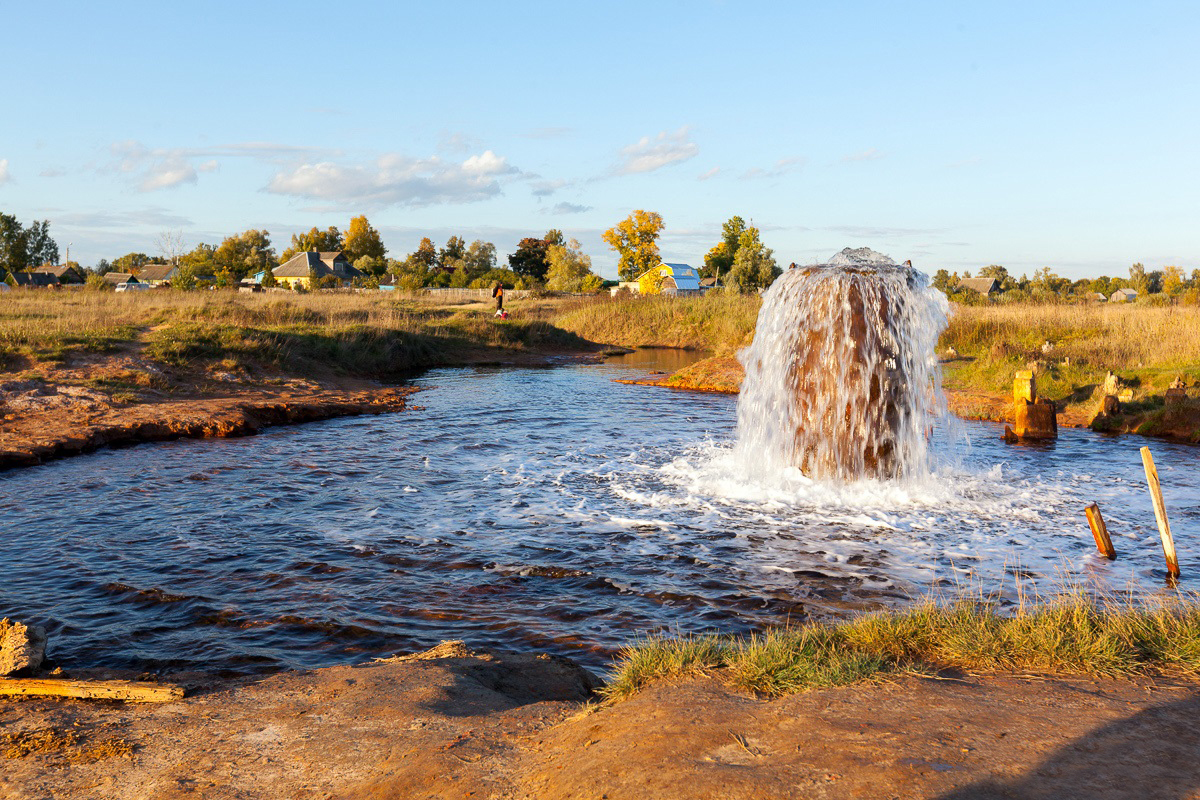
(346, 333)
(1148, 347)
(716, 321)
(1070, 633)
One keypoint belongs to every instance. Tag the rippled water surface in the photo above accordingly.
(548, 508)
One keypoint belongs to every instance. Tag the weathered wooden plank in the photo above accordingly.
(132, 691)
(1100, 532)
(1160, 513)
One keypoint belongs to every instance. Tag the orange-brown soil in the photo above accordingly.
(461, 725)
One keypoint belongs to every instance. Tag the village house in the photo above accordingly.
(118, 278)
(35, 280)
(985, 286)
(1123, 296)
(65, 273)
(303, 267)
(157, 274)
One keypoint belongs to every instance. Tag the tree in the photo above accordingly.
(39, 247)
(635, 239)
(425, 254)
(529, 261)
(1137, 278)
(321, 241)
(941, 280)
(452, 253)
(170, 246)
(719, 260)
(1172, 281)
(131, 262)
(371, 265)
(554, 237)
(480, 257)
(362, 240)
(13, 252)
(268, 280)
(245, 253)
(569, 267)
(994, 271)
(754, 265)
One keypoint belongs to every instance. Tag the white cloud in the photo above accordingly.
(870, 154)
(159, 168)
(52, 172)
(649, 154)
(712, 173)
(395, 179)
(5, 176)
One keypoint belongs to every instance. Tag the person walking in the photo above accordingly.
(498, 293)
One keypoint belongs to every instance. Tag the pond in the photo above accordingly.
(549, 509)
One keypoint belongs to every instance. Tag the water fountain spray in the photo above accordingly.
(842, 379)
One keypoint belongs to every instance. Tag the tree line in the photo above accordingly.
(1160, 286)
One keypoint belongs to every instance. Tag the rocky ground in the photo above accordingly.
(451, 724)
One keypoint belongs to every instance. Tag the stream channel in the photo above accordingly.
(540, 509)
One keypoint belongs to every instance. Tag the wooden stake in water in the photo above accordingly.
(1100, 532)
(1160, 513)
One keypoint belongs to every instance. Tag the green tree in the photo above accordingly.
(245, 253)
(425, 254)
(131, 262)
(1137, 278)
(362, 240)
(635, 239)
(994, 271)
(374, 266)
(13, 252)
(452, 253)
(941, 281)
(719, 260)
(529, 260)
(480, 257)
(39, 247)
(569, 267)
(321, 241)
(268, 280)
(754, 265)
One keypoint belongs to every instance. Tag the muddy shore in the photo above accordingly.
(456, 724)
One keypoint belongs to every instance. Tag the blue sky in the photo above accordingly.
(954, 134)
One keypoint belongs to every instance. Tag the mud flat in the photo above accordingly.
(454, 724)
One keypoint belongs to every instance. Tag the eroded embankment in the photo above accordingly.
(46, 422)
(455, 725)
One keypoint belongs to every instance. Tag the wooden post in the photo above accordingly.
(1160, 513)
(1100, 532)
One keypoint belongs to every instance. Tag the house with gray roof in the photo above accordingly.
(1123, 296)
(157, 274)
(985, 286)
(303, 267)
(35, 280)
(65, 273)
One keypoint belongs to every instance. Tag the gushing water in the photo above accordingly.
(842, 380)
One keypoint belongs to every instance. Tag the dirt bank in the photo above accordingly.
(516, 726)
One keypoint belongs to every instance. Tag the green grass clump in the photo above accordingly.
(1068, 634)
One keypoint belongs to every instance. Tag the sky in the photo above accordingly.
(957, 134)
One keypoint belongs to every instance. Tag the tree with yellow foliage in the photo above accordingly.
(635, 239)
(362, 240)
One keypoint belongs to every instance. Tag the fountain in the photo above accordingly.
(842, 381)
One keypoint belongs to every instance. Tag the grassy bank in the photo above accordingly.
(366, 335)
(1069, 634)
(1148, 347)
(716, 321)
